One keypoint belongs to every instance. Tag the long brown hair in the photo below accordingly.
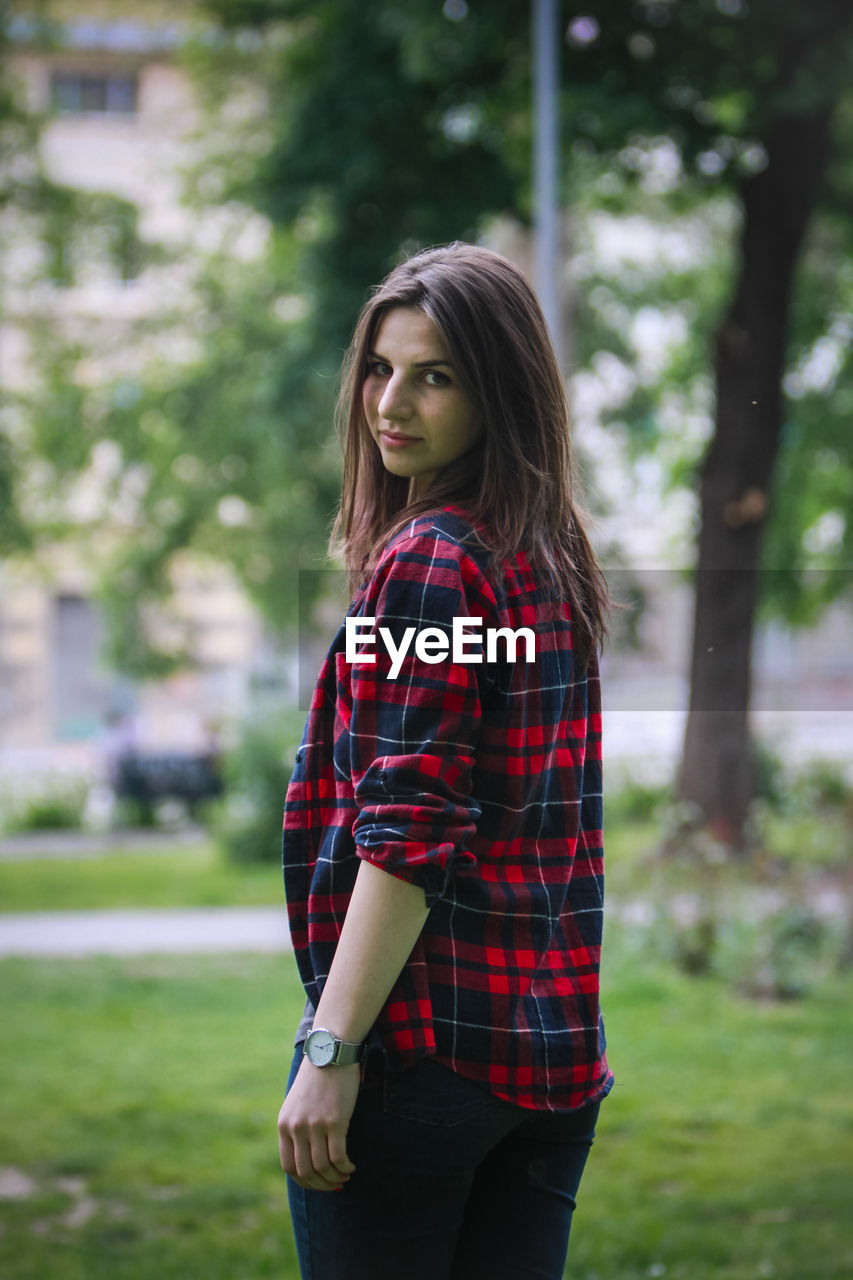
(516, 481)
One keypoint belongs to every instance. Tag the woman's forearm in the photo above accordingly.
(383, 922)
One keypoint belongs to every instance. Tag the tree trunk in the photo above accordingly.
(716, 773)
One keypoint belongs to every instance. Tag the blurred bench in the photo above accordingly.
(150, 777)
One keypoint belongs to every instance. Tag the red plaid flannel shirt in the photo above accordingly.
(480, 782)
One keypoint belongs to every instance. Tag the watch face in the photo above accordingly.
(320, 1047)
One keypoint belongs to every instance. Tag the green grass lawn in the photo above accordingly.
(140, 1099)
(200, 876)
(195, 876)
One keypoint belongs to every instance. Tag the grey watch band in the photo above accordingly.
(323, 1048)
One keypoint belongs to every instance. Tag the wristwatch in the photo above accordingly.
(325, 1050)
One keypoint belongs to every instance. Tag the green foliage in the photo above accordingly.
(767, 935)
(14, 533)
(820, 838)
(256, 772)
(814, 788)
(803, 815)
(367, 131)
(809, 538)
(77, 231)
(351, 151)
(769, 773)
(784, 955)
(53, 802)
(801, 818)
(18, 174)
(774, 925)
(233, 448)
(825, 784)
(82, 228)
(432, 136)
(135, 815)
(635, 802)
(237, 445)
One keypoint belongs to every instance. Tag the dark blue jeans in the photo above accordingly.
(451, 1183)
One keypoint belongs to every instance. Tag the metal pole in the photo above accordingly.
(546, 51)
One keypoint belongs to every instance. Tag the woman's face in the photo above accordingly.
(417, 410)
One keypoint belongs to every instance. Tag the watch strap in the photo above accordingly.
(347, 1055)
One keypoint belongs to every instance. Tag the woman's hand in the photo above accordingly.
(313, 1123)
(383, 921)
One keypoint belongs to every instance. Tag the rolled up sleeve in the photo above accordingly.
(413, 735)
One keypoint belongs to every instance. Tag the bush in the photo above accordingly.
(53, 803)
(637, 794)
(780, 953)
(806, 817)
(247, 821)
(767, 939)
(769, 773)
(822, 784)
(633, 800)
(794, 790)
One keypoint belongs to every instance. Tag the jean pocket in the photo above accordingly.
(434, 1094)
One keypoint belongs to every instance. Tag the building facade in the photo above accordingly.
(119, 120)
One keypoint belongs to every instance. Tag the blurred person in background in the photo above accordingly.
(442, 850)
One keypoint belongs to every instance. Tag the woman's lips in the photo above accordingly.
(397, 442)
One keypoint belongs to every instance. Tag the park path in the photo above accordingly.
(163, 931)
(263, 929)
(59, 845)
(220, 930)
(166, 931)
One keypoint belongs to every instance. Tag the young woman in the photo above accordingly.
(442, 827)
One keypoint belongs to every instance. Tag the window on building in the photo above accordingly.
(92, 233)
(81, 690)
(82, 93)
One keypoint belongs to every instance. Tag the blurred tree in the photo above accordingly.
(47, 232)
(385, 115)
(225, 431)
(17, 170)
(754, 99)
(385, 127)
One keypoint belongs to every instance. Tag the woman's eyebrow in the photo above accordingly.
(417, 364)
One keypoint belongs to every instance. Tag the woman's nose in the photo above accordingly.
(394, 401)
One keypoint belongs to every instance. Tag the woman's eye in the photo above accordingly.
(432, 377)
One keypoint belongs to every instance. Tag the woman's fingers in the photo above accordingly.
(323, 1165)
(338, 1157)
(308, 1159)
(312, 1126)
(285, 1151)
